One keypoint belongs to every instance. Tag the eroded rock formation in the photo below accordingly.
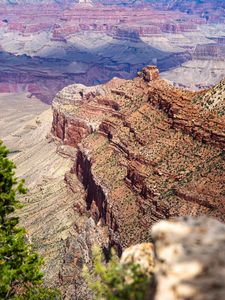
(190, 262)
(151, 154)
(123, 156)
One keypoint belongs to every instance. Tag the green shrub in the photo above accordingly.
(114, 281)
(20, 275)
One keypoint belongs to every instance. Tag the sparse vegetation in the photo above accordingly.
(213, 99)
(115, 281)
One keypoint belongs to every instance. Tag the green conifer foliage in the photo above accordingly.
(20, 274)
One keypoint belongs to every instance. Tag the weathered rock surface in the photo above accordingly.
(69, 129)
(190, 263)
(187, 261)
(142, 255)
(214, 99)
(149, 73)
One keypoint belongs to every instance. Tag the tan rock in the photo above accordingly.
(141, 255)
(190, 259)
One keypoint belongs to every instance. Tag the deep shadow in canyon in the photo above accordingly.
(45, 76)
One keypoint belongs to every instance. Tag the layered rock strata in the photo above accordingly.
(90, 44)
(151, 154)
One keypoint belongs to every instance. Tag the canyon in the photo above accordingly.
(116, 159)
(92, 42)
(135, 134)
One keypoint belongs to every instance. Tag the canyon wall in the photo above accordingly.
(152, 153)
(121, 156)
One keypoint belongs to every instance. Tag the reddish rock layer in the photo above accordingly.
(62, 21)
(153, 154)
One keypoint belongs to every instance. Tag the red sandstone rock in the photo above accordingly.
(153, 154)
(149, 73)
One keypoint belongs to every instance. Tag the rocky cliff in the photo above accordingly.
(121, 157)
(146, 151)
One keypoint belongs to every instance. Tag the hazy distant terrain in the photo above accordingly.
(91, 43)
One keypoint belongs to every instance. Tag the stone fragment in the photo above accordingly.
(141, 255)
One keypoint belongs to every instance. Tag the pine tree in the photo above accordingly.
(20, 274)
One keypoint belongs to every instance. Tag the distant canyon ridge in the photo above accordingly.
(47, 45)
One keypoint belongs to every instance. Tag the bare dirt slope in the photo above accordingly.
(16, 110)
(54, 214)
(48, 212)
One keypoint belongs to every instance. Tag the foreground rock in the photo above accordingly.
(189, 259)
(141, 255)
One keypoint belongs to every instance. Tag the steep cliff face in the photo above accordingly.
(78, 111)
(151, 154)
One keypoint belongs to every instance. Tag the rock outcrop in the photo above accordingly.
(190, 263)
(69, 129)
(142, 255)
(152, 154)
(149, 73)
(187, 261)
